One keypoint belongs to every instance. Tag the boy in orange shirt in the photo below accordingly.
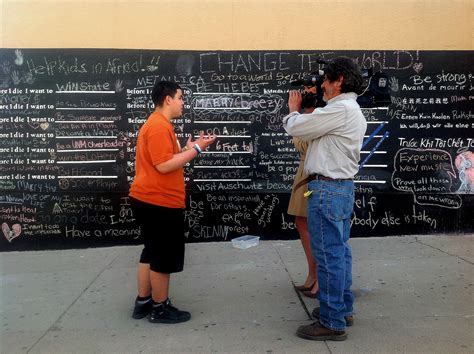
(158, 201)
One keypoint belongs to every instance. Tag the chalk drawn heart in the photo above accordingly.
(13, 233)
(418, 67)
(44, 126)
(34, 125)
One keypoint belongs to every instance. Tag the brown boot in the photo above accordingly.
(349, 318)
(316, 331)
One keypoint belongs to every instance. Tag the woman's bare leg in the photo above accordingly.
(302, 227)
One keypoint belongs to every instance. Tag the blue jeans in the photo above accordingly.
(329, 212)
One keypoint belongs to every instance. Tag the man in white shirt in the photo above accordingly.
(335, 134)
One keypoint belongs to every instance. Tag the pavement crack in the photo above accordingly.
(443, 251)
(303, 304)
(54, 326)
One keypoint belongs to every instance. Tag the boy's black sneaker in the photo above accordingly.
(142, 308)
(166, 313)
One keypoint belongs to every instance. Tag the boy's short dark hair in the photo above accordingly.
(349, 70)
(163, 89)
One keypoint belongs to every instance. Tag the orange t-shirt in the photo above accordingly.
(157, 143)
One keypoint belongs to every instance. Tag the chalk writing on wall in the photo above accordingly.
(69, 121)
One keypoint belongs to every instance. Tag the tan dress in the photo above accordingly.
(298, 203)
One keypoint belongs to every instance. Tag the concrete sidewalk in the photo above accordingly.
(414, 295)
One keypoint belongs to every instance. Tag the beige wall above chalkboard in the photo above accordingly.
(236, 25)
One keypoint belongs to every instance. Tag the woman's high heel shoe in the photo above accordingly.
(304, 288)
(311, 295)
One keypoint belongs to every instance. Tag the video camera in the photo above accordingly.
(315, 79)
(375, 89)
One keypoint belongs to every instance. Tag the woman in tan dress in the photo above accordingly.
(298, 207)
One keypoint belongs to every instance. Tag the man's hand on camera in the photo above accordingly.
(294, 101)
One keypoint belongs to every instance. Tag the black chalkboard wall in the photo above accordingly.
(69, 120)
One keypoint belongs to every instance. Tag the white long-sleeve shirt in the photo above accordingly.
(335, 134)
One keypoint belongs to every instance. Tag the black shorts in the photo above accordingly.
(162, 233)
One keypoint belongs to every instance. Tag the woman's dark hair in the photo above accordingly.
(163, 89)
(312, 100)
(349, 70)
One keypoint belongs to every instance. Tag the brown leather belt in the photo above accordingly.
(319, 177)
(315, 176)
